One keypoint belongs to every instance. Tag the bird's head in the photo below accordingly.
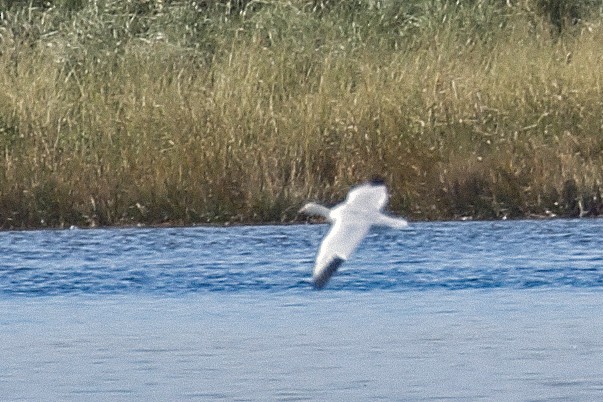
(377, 180)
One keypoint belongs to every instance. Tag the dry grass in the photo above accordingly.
(117, 116)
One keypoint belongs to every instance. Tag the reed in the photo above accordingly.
(157, 112)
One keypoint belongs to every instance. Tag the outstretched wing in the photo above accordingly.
(396, 223)
(341, 241)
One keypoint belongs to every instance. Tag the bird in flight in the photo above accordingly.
(350, 223)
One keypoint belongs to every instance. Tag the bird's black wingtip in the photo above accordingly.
(319, 281)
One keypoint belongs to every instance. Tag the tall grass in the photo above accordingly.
(187, 112)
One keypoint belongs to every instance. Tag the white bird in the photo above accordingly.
(351, 222)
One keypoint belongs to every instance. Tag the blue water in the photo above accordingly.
(505, 310)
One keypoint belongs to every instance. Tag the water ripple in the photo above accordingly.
(449, 256)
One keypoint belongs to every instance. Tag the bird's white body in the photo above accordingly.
(351, 222)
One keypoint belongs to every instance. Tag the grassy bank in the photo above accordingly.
(196, 112)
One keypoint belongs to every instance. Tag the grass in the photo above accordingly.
(155, 112)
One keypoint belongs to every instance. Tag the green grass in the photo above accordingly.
(180, 112)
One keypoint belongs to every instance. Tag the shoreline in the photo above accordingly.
(218, 225)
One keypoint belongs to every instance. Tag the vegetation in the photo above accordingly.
(180, 112)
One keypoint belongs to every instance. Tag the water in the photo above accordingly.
(467, 310)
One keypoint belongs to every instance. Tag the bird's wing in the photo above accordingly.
(367, 197)
(396, 223)
(341, 241)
